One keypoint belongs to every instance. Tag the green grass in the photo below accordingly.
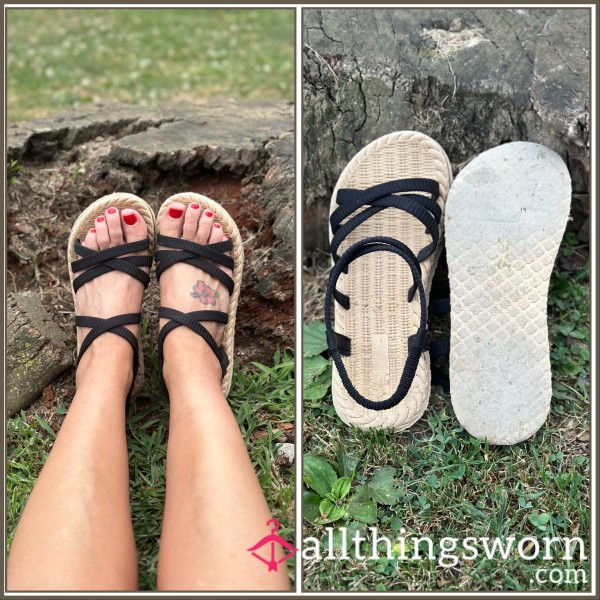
(58, 58)
(262, 399)
(437, 480)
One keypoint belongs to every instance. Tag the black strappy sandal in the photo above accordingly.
(207, 258)
(386, 232)
(94, 263)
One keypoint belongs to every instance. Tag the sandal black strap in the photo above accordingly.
(439, 375)
(111, 325)
(97, 263)
(204, 257)
(192, 320)
(197, 256)
(382, 196)
(417, 343)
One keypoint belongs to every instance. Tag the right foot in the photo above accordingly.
(113, 293)
(186, 288)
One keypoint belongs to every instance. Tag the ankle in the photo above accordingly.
(188, 361)
(108, 362)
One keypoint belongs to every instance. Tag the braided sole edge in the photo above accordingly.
(85, 222)
(231, 230)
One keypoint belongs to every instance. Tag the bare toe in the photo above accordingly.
(102, 235)
(90, 240)
(113, 222)
(171, 221)
(204, 227)
(133, 225)
(190, 223)
(216, 234)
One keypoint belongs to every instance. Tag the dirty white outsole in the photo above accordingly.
(85, 222)
(505, 217)
(380, 319)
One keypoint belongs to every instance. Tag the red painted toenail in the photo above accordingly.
(175, 212)
(112, 211)
(100, 219)
(208, 213)
(217, 226)
(130, 219)
(195, 206)
(93, 230)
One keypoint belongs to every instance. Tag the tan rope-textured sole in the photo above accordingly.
(231, 230)
(86, 221)
(380, 319)
(506, 215)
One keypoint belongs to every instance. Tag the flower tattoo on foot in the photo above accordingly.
(204, 293)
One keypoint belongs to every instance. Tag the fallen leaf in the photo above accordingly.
(584, 436)
(48, 396)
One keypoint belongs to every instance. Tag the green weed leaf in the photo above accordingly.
(383, 487)
(330, 511)
(341, 488)
(319, 475)
(310, 506)
(314, 342)
(347, 462)
(361, 507)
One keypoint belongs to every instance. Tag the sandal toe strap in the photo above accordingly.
(206, 257)
(98, 262)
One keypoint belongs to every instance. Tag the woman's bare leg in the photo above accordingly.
(75, 532)
(215, 509)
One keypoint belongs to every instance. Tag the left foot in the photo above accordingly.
(186, 288)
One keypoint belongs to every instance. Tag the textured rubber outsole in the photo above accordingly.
(85, 222)
(231, 230)
(380, 319)
(505, 217)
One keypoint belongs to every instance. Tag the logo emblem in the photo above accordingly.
(271, 540)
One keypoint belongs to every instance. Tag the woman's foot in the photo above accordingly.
(186, 288)
(111, 294)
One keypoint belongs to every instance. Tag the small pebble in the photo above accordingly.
(456, 25)
(285, 454)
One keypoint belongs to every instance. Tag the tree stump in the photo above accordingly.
(241, 155)
(36, 351)
(470, 79)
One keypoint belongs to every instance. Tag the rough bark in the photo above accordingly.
(241, 155)
(471, 79)
(36, 353)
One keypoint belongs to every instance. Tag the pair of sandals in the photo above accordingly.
(503, 220)
(86, 264)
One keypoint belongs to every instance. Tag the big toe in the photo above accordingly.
(134, 226)
(171, 220)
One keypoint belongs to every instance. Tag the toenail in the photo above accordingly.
(208, 214)
(217, 226)
(195, 206)
(175, 212)
(93, 230)
(130, 219)
(100, 219)
(112, 211)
